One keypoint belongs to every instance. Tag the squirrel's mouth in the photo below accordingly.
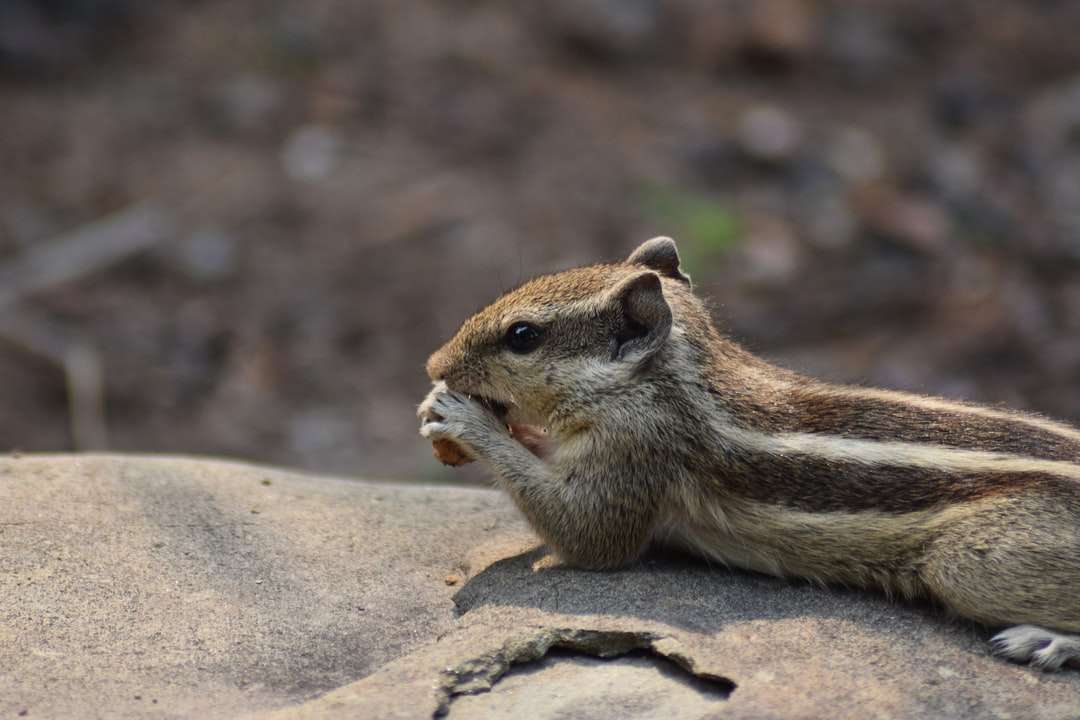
(501, 410)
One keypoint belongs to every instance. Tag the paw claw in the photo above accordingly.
(433, 430)
(1044, 649)
(426, 410)
(1048, 659)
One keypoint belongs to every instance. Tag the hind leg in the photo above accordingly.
(1014, 561)
(1042, 648)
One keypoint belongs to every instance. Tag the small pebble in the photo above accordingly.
(207, 255)
(856, 155)
(769, 134)
(312, 153)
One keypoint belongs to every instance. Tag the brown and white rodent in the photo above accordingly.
(613, 412)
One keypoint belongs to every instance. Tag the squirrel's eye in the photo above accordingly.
(523, 337)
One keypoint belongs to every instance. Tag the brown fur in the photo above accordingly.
(659, 428)
(815, 485)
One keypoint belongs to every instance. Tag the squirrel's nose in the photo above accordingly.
(437, 366)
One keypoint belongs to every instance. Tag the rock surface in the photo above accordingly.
(165, 587)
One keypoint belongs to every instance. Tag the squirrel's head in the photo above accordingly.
(573, 334)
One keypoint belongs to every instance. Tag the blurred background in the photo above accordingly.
(238, 228)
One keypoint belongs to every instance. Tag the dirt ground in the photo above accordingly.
(884, 193)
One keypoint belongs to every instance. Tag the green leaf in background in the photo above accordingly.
(705, 229)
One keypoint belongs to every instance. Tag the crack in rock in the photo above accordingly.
(480, 674)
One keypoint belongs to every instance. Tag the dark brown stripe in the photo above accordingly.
(850, 416)
(803, 482)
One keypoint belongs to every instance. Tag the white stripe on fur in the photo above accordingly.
(878, 452)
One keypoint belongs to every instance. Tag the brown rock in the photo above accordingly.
(781, 29)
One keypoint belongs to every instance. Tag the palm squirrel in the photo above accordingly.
(616, 415)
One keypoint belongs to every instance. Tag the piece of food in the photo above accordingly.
(449, 454)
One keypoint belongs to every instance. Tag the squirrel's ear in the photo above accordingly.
(661, 255)
(644, 317)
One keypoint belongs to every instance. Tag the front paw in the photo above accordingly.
(426, 411)
(457, 418)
